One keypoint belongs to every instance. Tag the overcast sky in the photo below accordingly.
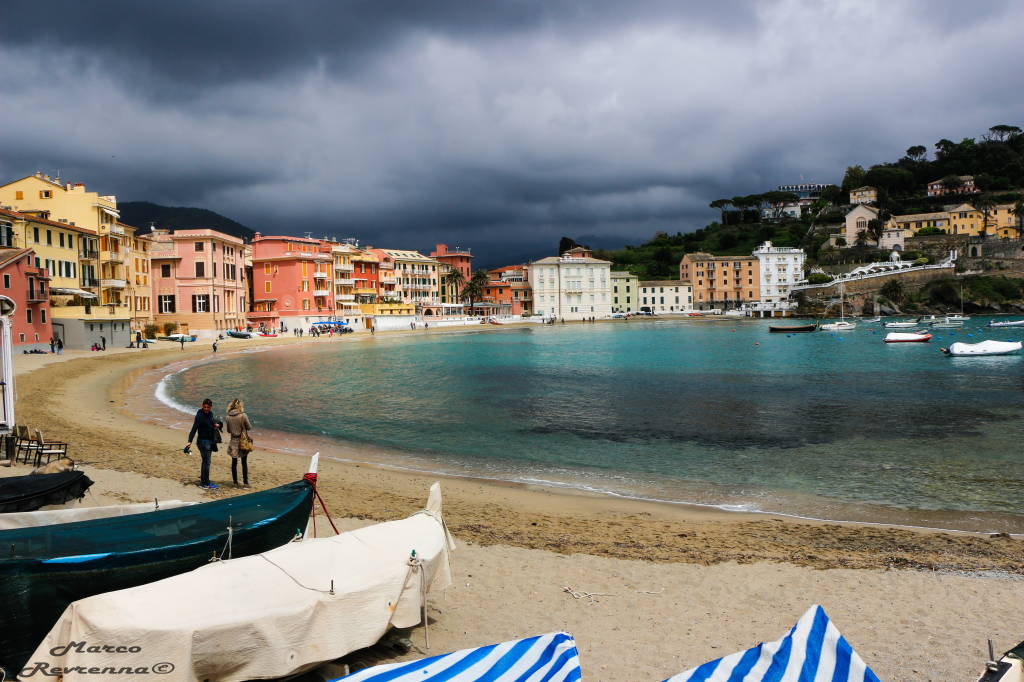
(496, 125)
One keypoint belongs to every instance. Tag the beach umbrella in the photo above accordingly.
(813, 650)
(545, 657)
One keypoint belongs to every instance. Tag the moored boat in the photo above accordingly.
(267, 616)
(239, 335)
(841, 326)
(900, 325)
(908, 337)
(44, 569)
(792, 329)
(960, 349)
(948, 324)
(1006, 323)
(28, 493)
(34, 519)
(1009, 668)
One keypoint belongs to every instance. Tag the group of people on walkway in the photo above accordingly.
(207, 432)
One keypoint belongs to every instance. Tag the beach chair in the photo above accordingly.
(813, 650)
(25, 444)
(545, 657)
(48, 448)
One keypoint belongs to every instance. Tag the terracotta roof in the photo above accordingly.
(8, 256)
(664, 283)
(44, 221)
(700, 256)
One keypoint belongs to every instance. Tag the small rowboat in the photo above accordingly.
(1008, 323)
(239, 335)
(794, 329)
(959, 349)
(908, 337)
(269, 336)
(900, 325)
(28, 493)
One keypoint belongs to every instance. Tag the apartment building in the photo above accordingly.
(573, 286)
(665, 296)
(864, 195)
(936, 188)
(198, 281)
(418, 279)
(723, 282)
(519, 292)
(27, 285)
(779, 269)
(625, 288)
(345, 307)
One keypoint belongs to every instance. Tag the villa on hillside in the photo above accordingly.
(936, 188)
(864, 195)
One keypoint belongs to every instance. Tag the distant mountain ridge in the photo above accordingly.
(141, 214)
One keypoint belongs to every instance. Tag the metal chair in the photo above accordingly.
(24, 442)
(48, 448)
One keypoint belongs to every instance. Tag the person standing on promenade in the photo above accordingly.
(60, 346)
(103, 343)
(214, 346)
(138, 339)
(53, 344)
(238, 426)
(205, 426)
(182, 340)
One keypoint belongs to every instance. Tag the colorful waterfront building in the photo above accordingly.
(418, 278)
(779, 269)
(198, 281)
(519, 292)
(625, 287)
(292, 282)
(665, 296)
(345, 307)
(139, 292)
(27, 285)
(573, 286)
(452, 259)
(721, 282)
(101, 254)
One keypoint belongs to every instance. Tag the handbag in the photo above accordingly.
(244, 442)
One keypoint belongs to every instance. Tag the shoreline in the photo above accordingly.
(488, 512)
(161, 408)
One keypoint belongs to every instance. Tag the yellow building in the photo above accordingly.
(345, 307)
(625, 286)
(418, 278)
(913, 222)
(965, 219)
(102, 252)
(1004, 223)
(139, 292)
(864, 195)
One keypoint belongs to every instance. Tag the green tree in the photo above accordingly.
(952, 183)
(853, 178)
(474, 288)
(565, 244)
(1018, 210)
(893, 290)
(454, 279)
(917, 153)
(1001, 133)
(985, 205)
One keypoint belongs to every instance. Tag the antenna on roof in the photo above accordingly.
(309, 235)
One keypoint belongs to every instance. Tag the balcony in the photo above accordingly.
(111, 229)
(345, 282)
(322, 292)
(320, 275)
(113, 283)
(344, 297)
(344, 267)
(37, 296)
(418, 287)
(112, 256)
(88, 254)
(90, 282)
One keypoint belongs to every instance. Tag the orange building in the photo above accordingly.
(721, 281)
(511, 285)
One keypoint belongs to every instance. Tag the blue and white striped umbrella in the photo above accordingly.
(813, 651)
(552, 657)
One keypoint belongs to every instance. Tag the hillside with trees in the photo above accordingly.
(142, 214)
(996, 161)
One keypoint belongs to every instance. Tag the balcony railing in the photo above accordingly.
(113, 256)
(88, 254)
(113, 283)
(320, 275)
(322, 292)
(38, 296)
(418, 287)
(345, 281)
(113, 229)
(344, 267)
(90, 282)
(344, 297)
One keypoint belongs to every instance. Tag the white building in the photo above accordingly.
(780, 268)
(572, 286)
(665, 296)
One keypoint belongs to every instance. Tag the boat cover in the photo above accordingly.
(813, 650)
(28, 493)
(984, 348)
(545, 657)
(263, 616)
(51, 516)
(44, 569)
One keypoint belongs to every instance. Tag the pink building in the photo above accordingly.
(28, 286)
(293, 282)
(458, 258)
(198, 280)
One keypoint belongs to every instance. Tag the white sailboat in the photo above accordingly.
(842, 325)
(961, 317)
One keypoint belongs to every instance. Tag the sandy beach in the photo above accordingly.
(678, 585)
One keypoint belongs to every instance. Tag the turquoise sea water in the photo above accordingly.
(826, 425)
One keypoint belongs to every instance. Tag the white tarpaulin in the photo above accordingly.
(262, 616)
(50, 517)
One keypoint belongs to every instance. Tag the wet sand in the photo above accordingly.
(685, 584)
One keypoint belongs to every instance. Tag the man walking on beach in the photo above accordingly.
(204, 426)
(60, 346)
(182, 339)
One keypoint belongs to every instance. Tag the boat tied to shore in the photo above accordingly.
(270, 615)
(908, 337)
(793, 329)
(44, 569)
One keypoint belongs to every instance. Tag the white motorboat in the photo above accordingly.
(928, 320)
(957, 318)
(900, 325)
(960, 349)
(948, 324)
(842, 325)
(874, 319)
(908, 337)
(1007, 323)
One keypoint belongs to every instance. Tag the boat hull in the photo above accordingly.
(900, 325)
(43, 570)
(796, 329)
(28, 493)
(983, 348)
(897, 337)
(1011, 323)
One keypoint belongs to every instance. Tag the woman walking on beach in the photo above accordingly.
(240, 445)
(206, 426)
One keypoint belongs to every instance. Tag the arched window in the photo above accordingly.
(974, 252)
(862, 224)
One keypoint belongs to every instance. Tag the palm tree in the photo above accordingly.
(474, 288)
(1018, 210)
(455, 280)
(984, 205)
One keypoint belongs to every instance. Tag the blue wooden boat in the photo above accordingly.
(44, 569)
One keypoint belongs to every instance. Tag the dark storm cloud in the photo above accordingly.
(497, 124)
